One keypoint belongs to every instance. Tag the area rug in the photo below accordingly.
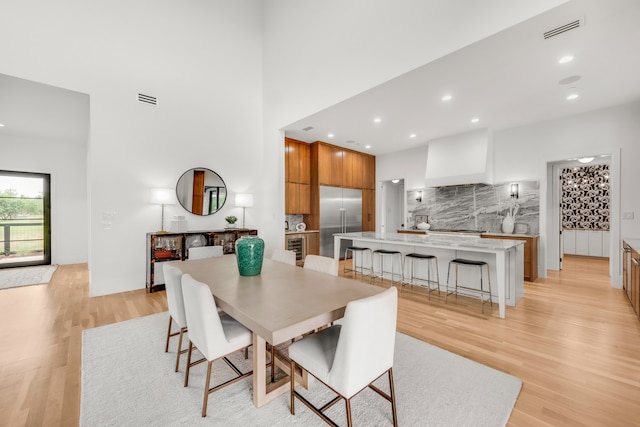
(128, 380)
(26, 276)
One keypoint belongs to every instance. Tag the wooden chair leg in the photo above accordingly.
(186, 373)
(166, 347)
(292, 383)
(392, 394)
(347, 403)
(206, 389)
(179, 352)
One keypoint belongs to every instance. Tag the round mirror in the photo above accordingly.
(201, 191)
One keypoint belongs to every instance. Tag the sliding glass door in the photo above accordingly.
(25, 219)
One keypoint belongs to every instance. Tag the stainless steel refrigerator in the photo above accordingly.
(340, 212)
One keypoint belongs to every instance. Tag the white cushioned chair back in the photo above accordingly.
(173, 286)
(322, 264)
(367, 342)
(201, 252)
(203, 320)
(282, 255)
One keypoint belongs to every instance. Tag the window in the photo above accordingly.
(25, 219)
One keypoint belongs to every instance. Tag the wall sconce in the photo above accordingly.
(419, 196)
(162, 196)
(244, 201)
(514, 191)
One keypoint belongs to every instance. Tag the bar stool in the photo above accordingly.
(355, 250)
(415, 280)
(471, 263)
(395, 255)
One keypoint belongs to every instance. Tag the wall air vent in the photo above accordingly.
(307, 129)
(563, 29)
(147, 99)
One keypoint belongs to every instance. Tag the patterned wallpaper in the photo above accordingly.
(585, 197)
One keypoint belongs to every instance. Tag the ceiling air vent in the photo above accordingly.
(563, 29)
(307, 129)
(147, 99)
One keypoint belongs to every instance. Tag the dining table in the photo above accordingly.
(279, 304)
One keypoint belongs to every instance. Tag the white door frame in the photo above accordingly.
(550, 220)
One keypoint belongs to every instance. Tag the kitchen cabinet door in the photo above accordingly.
(351, 169)
(368, 210)
(368, 172)
(297, 198)
(582, 242)
(595, 243)
(329, 165)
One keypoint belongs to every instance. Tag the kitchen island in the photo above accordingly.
(504, 257)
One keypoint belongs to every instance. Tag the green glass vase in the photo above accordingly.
(249, 254)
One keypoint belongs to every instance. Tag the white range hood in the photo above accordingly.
(460, 160)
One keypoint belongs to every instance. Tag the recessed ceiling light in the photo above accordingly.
(475, 120)
(572, 96)
(377, 120)
(367, 146)
(585, 159)
(413, 135)
(447, 97)
(1, 125)
(330, 135)
(395, 181)
(565, 59)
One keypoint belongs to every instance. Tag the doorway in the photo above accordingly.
(392, 206)
(555, 238)
(25, 219)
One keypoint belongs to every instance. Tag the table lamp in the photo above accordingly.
(244, 201)
(162, 196)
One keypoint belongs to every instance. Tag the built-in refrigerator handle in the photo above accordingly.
(343, 220)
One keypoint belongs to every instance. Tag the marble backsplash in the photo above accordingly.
(477, 207)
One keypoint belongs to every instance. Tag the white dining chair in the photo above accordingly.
(173, 287)
(284, 256)
(215, 336)
(200, 252)
(351, 356)
(322, 264)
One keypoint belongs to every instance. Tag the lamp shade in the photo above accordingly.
(244, 200)
(162, 196)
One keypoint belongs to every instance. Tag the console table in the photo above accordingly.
(163, 247)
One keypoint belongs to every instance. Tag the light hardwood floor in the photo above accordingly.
(573, 340)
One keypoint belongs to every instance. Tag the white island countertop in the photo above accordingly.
(504, 256)
(444, 241)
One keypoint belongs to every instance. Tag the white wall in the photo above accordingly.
(66, 163)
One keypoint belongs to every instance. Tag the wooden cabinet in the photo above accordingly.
(352, 164)
(297, 198)
(368, 210)
(530, 253)
(297, 174)
(162, 247)
(631, 276)
(297, 161)
(329, 164)
(368, 172)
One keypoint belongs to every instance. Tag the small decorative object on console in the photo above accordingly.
(231, 221)
(249, 253)
(301, 226)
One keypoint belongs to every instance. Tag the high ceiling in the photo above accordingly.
(36, 110)
(509, 79)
